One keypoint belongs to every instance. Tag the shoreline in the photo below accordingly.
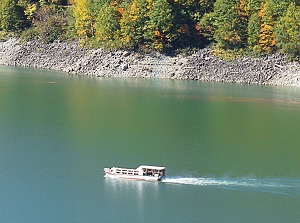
(202, 65)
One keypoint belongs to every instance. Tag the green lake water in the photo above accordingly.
(231, 151)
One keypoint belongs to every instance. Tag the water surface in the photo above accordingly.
(231, 151)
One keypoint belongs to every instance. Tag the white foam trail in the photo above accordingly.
(284, 186)
(209, 181)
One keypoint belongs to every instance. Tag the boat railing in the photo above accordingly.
(151, 171)
(126, 171)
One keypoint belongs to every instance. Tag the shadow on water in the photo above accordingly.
(276, 186)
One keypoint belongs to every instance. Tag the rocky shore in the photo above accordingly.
(201, 65)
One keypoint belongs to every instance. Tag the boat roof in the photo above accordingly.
(152, 167)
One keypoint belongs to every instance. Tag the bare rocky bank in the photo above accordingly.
(201, 65)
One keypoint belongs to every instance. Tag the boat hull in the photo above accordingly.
(133, 177)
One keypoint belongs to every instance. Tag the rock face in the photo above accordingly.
(201, 65)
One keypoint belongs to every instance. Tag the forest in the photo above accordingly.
(252, 27)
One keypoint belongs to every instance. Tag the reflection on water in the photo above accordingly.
(137, 191)
(117, 187)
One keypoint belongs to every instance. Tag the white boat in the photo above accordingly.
(153, 173)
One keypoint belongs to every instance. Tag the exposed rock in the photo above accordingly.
(124, 67)
(201, 65)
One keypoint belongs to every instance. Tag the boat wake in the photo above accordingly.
(279, 186)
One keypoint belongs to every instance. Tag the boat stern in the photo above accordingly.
(107, 170)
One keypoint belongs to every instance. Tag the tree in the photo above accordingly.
(160, 24)
(93, 8)
(255, 5)
(30, 10)
(48, 22)
(266, 38)
(107, 24)
(187, 14)
(243, 14)
(133, 23)
(287, 31)
(83, 19)
(270, 13)
(254, 24)
(274, 10)
(206, 19)
(12, 17)
(253, 30)
(206, 26)
(230, 23)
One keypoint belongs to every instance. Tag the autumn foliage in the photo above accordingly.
(257, 26)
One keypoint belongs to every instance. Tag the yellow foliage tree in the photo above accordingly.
(266, 38)
(83, 20)
(269, 14)
(30, 10)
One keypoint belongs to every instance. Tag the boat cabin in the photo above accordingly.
(156, 171)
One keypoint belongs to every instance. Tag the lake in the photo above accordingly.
(231, 150)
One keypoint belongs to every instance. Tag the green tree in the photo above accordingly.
(206, 19)
(93, 8)
(12, 17)
(253, 32)
(95, 5)
(254, 24)
(274, 10)
(287, 31)
(206, 26)
(133, 23)
(255, 5)
(159, 26)
(107, 24)
(231, 21)
(187, 14)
